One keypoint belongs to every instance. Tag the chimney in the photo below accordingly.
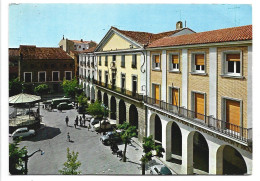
(63, 37)
(179, 25)
(81, 40)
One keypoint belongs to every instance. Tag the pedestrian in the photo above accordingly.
(84, 116)
(75, 124)
(67, 120)
(68, 137)
(80, 120)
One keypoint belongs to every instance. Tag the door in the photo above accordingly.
(199, 106)
(233, 115)
(157, 93)
(175, 97)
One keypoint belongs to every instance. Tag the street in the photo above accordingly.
(95, 157)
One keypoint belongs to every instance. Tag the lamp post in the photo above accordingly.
(26, 158)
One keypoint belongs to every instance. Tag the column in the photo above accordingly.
(215, 158)
(213, 81)
(148, 69)
(187, 152)
(249, 88)
(185, 66)
(164, 78)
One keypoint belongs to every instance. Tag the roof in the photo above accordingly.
(32, 52)
(90, 50)
(79, 41)
(240, 33)
(13, 52)
(145, 38)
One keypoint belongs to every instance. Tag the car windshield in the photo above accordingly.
(165, 171)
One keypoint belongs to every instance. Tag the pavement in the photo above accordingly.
(95, 157)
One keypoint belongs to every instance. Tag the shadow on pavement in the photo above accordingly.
(44, 134)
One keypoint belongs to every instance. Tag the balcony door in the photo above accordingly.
(233, 115)
(175, 97)
(156, 90)
(199, 106)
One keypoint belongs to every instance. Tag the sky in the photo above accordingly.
(44, 25)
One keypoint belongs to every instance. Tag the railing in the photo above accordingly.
(231, 130)
(120, 90)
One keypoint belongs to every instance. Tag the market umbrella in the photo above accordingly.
(23, 98)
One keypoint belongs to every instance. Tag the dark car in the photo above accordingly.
(64, 106)
(160, 170)
(111, 136)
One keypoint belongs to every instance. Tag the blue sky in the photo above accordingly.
(44, 25)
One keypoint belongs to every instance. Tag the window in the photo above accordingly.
(27, 76)
(198, 63)
(100, 76)
(122, 60)
(106, 61)
(68, 75)
(199, 105)
(41, 76)
(232, 109)
(99, 60)
(134, 85)
(134, 61)
(106, 78)
(114, 58)
(55, 76)
(174, 62)
(156, 93)
(174, 96)
(113, 80)
(122, 82)
(232, 63)
(156, 61)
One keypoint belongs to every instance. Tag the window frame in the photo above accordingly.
(134, 61)
(134, 76)
(153, 61)
(193, 102)
(58, 76)
(123, 87)
(123, 61)
(193, 65)
(225, 63)
(66, 76)
(24, 76)
(170, 95)
(99, 61)
(153, 91)
(171, 69)
(39, 76)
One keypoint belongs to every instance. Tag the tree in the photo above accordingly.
(128, 132)
(41, 89)
(82, 100)
(98, 111)
(71, 165)
(16, 155)
(149, 147)
(15, 87)
(71, 88)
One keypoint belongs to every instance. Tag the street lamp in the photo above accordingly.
(26, 158)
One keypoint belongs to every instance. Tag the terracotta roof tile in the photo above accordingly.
(79, 41)
(13, 52)
(90, 50)
(33, 53)
(215, 36)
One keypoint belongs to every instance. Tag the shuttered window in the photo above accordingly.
(199, 106)
(233, 115)
(174, 62)
(157, 93)
(175, 97)
(199, 59)
(157, 58)
(156, 61)
(233, 64)
(175, 59)
(198, 63)
(233, 57)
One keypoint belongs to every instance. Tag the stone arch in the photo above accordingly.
(105, 99)
(122, 112)
(230, 161)
(92, 94)
(156, 128)
(133, 116)
(113, 108)
(99, 96)
(198, 151)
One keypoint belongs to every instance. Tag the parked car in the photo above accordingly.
(105, 125)
(56, 102)
(160, 170)
(111, 136)
(64, 106)
(23, 132)
(94, 121)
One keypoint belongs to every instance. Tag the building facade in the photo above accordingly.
(38, 65)
(13, 62)
(199, 100)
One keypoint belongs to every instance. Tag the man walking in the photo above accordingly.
(68, 137)
(67, 120)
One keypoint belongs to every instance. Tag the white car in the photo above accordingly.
(23, 132)
(104, 125)
(160, 170)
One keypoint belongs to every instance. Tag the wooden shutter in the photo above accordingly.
(233, 115)
(199, 106)
(199, 59)
(175, 97)
(157, 58)
(233, 57)
(157, 93)
(175, 59)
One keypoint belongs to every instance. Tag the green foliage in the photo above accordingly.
(148, 147)
(71, 88)
(41, 89)
(15, 87)
(128, 132)
(83, 101)
(16, 154)
(97, 110)
(71, 165)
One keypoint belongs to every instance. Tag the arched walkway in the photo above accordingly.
(230, 161)
(176, 143)
(113, 108)
(133, 116)
(105, 99)
(122, 112)
(99, 96)
(200, 152)
(156, 128)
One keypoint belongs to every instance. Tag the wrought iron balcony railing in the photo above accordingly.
(120, 90)
(228, 129)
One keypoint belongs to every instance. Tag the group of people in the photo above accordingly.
(79, 121)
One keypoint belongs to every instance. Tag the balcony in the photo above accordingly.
(120, 90)
(225, 128)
